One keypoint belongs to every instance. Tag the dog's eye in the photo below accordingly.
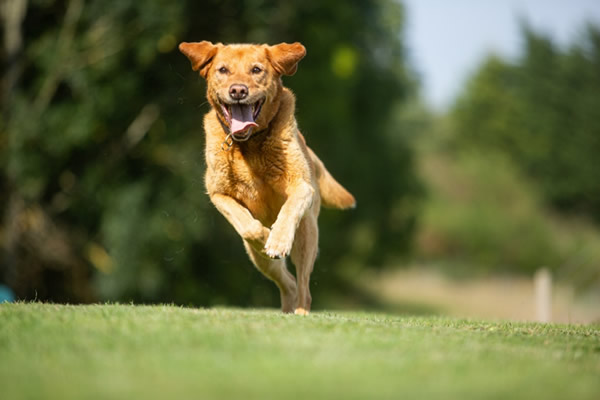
(223, 70)
(256, 70)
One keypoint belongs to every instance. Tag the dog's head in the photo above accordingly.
(243, 80)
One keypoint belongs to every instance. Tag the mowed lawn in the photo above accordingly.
(165, 352)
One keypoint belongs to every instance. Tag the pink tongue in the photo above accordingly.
(241, 118)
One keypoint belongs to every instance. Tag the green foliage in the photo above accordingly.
(157, 352)
(102, 138)
(542, 111)
(482, 217)
(514, 163)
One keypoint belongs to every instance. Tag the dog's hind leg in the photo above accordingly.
(304, 254)
(276, 270)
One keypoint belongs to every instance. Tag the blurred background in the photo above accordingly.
(466, 186)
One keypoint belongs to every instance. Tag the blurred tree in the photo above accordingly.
(101, 145)
(541, 110)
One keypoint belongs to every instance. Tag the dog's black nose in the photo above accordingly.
(238, 92)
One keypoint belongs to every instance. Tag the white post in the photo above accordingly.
(542, 284)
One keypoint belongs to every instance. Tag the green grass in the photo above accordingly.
(165, 352)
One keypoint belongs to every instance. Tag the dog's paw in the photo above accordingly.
(278, 246)
(255, 232)
(301, 311)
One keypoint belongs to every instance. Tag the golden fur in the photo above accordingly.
(264, 179)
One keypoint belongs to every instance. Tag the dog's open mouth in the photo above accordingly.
(241, 117)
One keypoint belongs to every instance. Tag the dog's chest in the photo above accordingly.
(258, 182)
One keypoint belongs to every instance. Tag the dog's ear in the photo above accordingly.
(285, 57)
(200, 55)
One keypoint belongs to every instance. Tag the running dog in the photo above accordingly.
(260, 173)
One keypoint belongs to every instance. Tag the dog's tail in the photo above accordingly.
(333, 195)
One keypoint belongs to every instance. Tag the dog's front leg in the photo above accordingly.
(280, 241)
(249, 228)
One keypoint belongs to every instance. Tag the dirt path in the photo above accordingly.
(505, 299)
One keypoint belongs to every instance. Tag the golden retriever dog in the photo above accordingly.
(260, 173)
